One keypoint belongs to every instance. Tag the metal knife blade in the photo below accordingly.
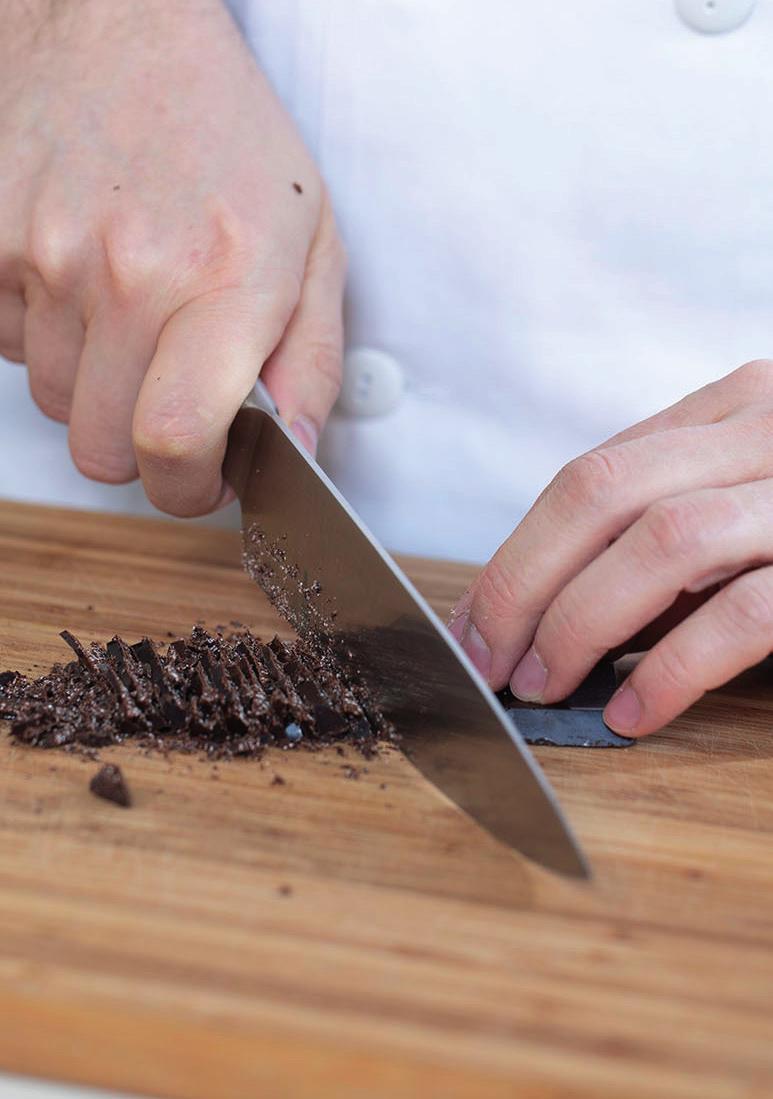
(577, 722)
(321, 567)
(563, 728)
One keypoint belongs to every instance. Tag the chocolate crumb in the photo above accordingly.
(382, 786)
(285, 890)
(349, 771)
(277, 780)
(109, 783)
(297, 188)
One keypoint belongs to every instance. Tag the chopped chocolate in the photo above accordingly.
(225, 696)
(109, 783)
(277, 780)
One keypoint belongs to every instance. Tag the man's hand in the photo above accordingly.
(680, 503)
(163, 236)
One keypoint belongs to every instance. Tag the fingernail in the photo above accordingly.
(307, 432)
(477, 649)
(623, 713)
(460, 612)
(529, 678)
(456, 624)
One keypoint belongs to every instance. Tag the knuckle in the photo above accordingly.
(326, 358)
(225, 243)
(675, 527)
(755, 378)
(496, 591)
(565, 623)
(134, 258)
(168, 437)
(749, 602)
(229, 231)
(592, 480)
(670, 670)
(169, 444)
(56, 250)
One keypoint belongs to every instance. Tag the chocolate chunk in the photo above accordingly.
(225, 696)
(109, 783)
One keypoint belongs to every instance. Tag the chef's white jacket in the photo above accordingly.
(559, 219)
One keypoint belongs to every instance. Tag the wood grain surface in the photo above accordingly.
(337, 937)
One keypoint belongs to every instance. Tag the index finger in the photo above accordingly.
(208, 356)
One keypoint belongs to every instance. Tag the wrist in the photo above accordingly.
(81, 34)
(36, 24)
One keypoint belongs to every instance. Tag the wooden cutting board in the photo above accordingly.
(361, 937)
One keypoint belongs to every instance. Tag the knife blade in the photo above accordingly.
(326, 573)
(564, 728)
(577, 722)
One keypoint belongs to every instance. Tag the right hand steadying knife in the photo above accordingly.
(163, 235)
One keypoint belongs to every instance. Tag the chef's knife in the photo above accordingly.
(326, 572)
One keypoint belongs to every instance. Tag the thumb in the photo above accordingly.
(206, 361)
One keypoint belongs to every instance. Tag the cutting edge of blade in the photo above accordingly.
(575, 864)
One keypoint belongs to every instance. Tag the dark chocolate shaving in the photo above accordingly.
(225, 696)
(109, 783)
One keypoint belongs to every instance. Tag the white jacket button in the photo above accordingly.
(373, 383)
(715, 16)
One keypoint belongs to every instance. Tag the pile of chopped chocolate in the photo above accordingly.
(223, 695)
